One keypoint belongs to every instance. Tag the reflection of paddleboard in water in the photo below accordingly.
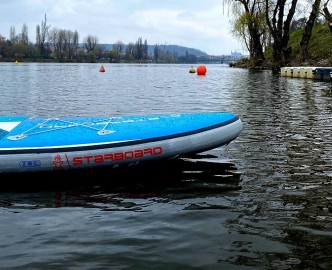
(46, 144)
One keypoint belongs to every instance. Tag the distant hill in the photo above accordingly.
(179, 50)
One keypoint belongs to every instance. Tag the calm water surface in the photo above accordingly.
(262, 202)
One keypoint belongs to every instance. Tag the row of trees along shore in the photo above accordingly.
(59, 45)
(266, 25)
(261, 26)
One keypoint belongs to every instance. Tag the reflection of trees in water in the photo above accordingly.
(311, 231)
(327, 92)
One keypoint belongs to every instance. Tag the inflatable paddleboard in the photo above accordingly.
(30, 144)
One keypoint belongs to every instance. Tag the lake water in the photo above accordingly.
(262, 202)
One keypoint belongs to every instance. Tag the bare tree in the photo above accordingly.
(41, 36)
(64, 43)
(24, 35)
(130, 50)
(252, 22)
(53, 38)
(276, 12)
(156, 52)
(139, 51)
(12, 35)
(61, 45)
(71, 43)
(90, 43)
(145, 50)
(56, 39)
(118, 47)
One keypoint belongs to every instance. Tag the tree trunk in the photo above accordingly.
(256, 48)
(327, 16)
(304, 44)
(280, 32)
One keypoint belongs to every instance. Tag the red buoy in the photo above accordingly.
(102, 69)
(201, 70)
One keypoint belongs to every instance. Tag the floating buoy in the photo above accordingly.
(201, 70)
(192, 70)
(102, 69)
(16, 62)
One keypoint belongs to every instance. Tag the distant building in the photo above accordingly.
(236, 54)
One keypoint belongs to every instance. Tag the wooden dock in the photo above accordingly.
(316, 73)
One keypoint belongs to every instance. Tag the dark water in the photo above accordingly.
(262, 202)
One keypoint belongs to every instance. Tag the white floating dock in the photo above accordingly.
(318, 73)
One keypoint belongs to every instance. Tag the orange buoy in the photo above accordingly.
(201, 70)
(102, 69)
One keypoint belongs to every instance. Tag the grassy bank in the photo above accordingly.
(320, 50)
(320, 47)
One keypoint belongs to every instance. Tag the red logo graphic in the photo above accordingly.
(58, 163)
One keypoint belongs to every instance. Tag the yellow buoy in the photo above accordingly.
(16, 62)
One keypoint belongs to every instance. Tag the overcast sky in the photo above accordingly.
(199, 24)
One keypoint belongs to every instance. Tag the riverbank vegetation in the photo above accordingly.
(278, 33)
(62, 45)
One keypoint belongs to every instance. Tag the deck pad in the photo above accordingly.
(48, 132)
